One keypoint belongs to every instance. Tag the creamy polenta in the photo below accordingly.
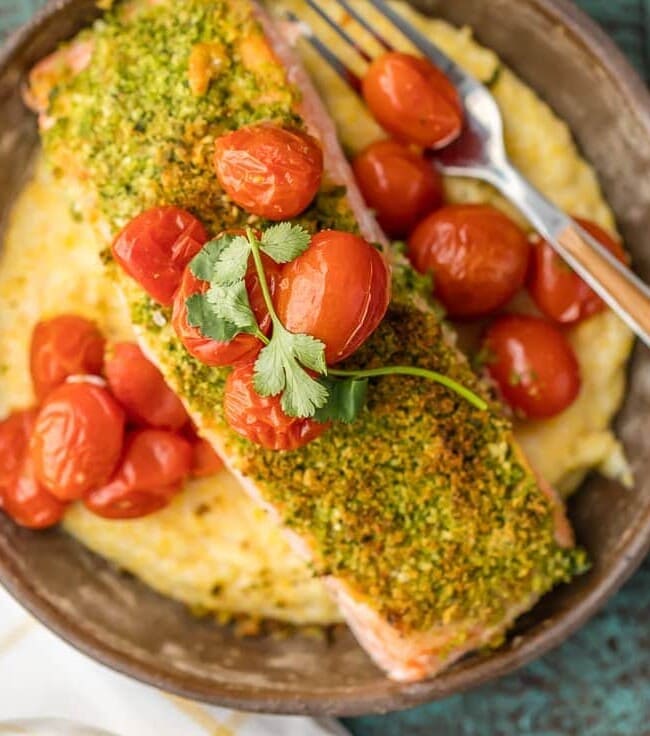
(212, 548)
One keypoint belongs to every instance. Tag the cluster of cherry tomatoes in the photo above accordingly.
(478, 256)
(337, 291)
(107, 431)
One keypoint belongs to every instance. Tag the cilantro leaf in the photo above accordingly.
(204, 262)
(269, 378)
(224, 311)
(346, 399)
(284, 242)
(309, 351)
(280, 368)
(223, 260)
(231, 304)
(200, 314)
(232, 262)
(302, 395)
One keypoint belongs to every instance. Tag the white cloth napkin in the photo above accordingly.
(47, 688)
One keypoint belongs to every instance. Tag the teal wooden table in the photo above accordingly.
(598, 683)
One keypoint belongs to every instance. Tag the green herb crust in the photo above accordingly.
(423, 505)
(137, 158)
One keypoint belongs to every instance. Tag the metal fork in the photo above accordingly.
(480, 154)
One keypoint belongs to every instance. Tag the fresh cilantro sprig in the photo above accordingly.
(415, 372)
(224, 261)
(282, 369)
(282, 366)
(284, 242)
(201, 314)
(225, 311)
(288, 361)
(290, 365)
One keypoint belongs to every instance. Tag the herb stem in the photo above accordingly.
(402, 370)
(264, 284)
(397, 370)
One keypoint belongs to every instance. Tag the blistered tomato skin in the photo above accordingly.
(15, 432)
(262, 420)
(64, 346)
(243, 347)
(155, 248)
(268, 170)
(477, 254)
(21, 495)
(152, 471)
(141, 389)
(338, 291)
(533, 365)
(413, 100)
(29, 504)
(77, 440)
(401, 186)
(205, 461)
(557, 290)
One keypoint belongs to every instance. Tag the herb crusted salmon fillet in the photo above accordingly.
(423, 516)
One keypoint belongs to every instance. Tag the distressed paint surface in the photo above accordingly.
(15, 12)
(598, 683)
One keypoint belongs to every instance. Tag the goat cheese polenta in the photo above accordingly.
(212, 548)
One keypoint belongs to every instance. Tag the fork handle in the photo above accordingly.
(616, 284)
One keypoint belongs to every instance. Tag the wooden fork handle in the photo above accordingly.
(624, 290)
(612, 280)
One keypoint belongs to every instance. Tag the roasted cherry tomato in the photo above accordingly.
(15, 432)
(338, 291)
(533, 364)
(413, 100)
(152, 471)
(400, 185)
(556, 289)
(268, 170)
(28, 503)
(21, 495)
(141, 389)
(478, 257)
(67, 345)
(155, 248)
(241, 348)
(77, 440)
(205, 461)
(262, 420)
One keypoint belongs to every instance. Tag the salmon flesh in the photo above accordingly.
(423, 517)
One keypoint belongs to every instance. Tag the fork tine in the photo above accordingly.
(365, 24)
(346, 74)
(339, 29)
(463, 81)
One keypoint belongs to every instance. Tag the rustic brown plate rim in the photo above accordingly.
(386, 696)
